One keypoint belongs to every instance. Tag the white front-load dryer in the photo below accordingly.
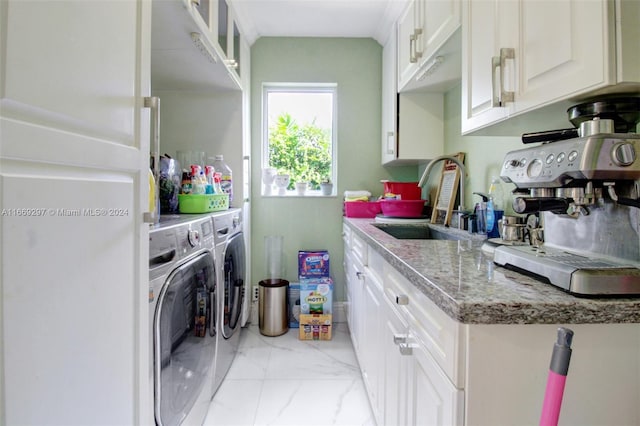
(231, 267)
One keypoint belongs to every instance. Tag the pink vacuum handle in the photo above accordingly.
(552, 399)
(558, 369)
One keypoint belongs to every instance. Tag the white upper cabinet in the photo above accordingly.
(389, 99)
(543, 52)
(429, 45)
(195, 45)
(412, 123)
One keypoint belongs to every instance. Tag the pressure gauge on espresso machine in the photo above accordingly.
(535, 168)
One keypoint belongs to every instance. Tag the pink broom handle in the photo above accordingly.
(558, 369)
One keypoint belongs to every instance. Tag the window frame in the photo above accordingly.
(301, 88)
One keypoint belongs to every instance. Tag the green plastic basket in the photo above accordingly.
(202, 203)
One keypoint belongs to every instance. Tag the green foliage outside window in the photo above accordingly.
(302, 151)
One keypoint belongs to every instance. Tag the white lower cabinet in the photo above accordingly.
(421, 367)
(421, 357)
(405, 383)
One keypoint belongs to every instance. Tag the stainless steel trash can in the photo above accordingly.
(273, 307)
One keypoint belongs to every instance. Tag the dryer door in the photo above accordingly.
(234, 274)
(184, 343)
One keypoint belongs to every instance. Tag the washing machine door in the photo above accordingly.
(234, 274)
(184, 339)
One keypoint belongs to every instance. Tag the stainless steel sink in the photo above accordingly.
(415, 232)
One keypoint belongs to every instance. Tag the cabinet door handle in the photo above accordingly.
(503, 96)
(412, 49)
(391, 145)
(406, 349)
(360, 275)
(399, 338)
(402, 299)
(417, 53)
(231, 63)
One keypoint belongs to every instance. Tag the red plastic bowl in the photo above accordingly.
(406, 190)
(402, 208)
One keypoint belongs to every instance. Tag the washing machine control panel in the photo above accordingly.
(197, 235)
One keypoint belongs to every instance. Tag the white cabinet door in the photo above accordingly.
(433, 400)
(423, 30)
(355, 282)
(74, 162)
(372, 363)
(480, 51)
(408, 27)
(349, 287)
(578, 60)
(440, 19)
(396, 371)
(537, 54)
(389, 99)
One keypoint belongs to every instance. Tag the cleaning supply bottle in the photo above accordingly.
(494, 207)
(226, 179)
(481, 213)
(209, 171)
(197, 186)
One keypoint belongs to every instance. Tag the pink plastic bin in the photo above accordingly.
(362, 209)
(402, 208)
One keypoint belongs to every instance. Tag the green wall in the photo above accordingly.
(483, 154)
(316, 223)
(355, 65)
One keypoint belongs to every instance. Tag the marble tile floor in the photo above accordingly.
(285, 381)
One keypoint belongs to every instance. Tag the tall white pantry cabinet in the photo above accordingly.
(74, 160)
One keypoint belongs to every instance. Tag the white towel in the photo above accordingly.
(356, 194)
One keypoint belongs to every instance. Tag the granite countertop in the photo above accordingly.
(461, 278)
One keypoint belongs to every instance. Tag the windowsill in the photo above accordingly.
(294, 194)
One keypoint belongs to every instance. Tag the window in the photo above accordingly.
(299, 138)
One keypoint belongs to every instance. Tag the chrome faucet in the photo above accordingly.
(463, 173)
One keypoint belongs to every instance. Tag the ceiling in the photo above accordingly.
(317, 18)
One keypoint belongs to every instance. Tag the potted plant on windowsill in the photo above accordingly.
(326, 187)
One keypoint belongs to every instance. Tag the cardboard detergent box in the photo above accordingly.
(315, 327)
(316, 295)
(294, 305)
(313, 263)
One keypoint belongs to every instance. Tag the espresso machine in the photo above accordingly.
(585, 185)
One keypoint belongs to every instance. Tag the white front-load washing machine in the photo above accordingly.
(183, 312)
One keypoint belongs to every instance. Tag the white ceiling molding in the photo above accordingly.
(317, 18)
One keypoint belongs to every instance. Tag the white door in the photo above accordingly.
(73, 188)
